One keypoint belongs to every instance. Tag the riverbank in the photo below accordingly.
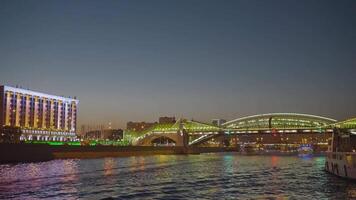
(12, 153)
(15, 153)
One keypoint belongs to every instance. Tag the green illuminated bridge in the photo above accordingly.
(174, 132)
(347, 124)
(282, 122)
(189, 132)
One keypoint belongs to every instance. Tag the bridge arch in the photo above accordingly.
(163, 141)
(279, 121)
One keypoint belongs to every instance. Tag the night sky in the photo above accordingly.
(138, 60)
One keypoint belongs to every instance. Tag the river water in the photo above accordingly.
(205, 176)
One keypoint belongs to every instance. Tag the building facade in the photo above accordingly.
(218, 122)
(139, 126)
(39, 116)
(166, 120)
(142, 126)
(107, 134)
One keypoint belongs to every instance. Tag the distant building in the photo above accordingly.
(115, 134)
(139, 126)
(218, 122)
(166, 120)
(37, 115)
(93, 135)
(110, 134)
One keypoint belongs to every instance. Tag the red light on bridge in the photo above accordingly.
(274, 132)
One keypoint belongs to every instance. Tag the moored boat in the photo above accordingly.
(341, 154)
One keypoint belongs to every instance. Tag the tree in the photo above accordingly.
(10, 134)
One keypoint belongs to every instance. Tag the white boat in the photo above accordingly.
(341, 155)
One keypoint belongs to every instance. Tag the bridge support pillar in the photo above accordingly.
(182, 138)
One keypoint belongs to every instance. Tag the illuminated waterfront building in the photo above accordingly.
(39, 116)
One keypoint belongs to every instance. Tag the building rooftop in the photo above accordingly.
(36, 93)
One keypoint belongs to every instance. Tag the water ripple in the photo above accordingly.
(206, 176)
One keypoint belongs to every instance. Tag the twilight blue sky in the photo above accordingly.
(138, 60)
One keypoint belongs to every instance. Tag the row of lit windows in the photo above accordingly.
(16, 95)
(283, 120)
(47, 138)
(39, 121)
(40, 106)
(48, 132)
(40, 116)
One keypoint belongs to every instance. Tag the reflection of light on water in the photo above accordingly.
(320, 160)
(163, 158)
(274, 161)
(109, 168)
(274, 175)
(228, 163)
(142, 163)
(137, 163)
(305, 156)
(32, 171)
(70, 169)
(210, 176)
(109, 164)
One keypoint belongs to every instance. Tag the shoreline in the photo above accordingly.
(18, 153)
(21, 153)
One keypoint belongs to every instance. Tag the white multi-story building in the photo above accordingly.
(39, 116)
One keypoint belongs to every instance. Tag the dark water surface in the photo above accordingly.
(205, 176)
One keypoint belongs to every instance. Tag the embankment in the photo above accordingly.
(11, 153)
